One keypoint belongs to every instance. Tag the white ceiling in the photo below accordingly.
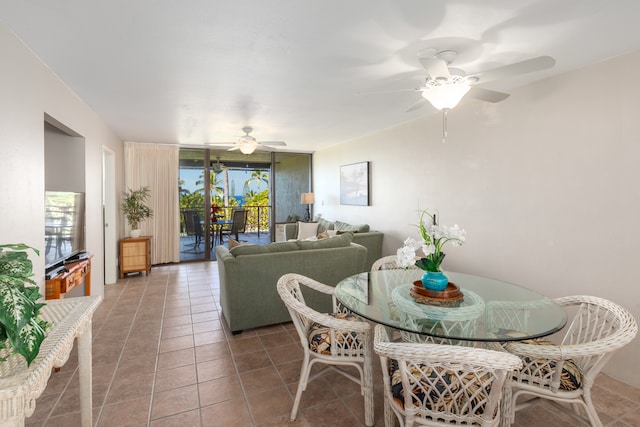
(197, 71)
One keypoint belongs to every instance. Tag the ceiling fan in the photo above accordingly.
(247, 144)
(217, 167)
(445, 86)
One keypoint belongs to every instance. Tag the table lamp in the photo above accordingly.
(307, 199)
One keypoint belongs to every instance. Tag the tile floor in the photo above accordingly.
(163, 357)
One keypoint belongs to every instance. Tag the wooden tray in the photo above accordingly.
(450, 294)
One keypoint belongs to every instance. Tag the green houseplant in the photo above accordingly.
(135, 209)
(21, 328)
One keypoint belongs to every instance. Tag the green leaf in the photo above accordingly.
(28, 341)
(16, 308)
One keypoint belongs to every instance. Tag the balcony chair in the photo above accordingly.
(193, 226)
(566, 372)
(441, 385)
(337, 339)
(238, 224)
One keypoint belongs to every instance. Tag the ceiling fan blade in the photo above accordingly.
(487, 94)
(528, 66)
(274, 143)
(435, 67)
(417, 105)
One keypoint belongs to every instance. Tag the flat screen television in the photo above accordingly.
(64, 226)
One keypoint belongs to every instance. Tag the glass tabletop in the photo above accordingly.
(490, 310)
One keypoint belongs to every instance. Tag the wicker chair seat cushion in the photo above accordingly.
(444, 386)
(571, 377)
(320, 336)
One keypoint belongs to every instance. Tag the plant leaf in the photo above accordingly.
(28, 341)
(17, 309)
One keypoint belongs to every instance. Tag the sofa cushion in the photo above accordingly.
(358, 228)
(323, 224)
(264, 249)
(306, 230)
(334, 242)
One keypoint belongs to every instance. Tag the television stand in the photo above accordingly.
(75, 273)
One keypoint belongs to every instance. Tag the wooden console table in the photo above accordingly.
(135, 255)
(21, 385)
(77, 273)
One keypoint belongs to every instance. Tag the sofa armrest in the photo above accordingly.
(290, 230)
(372, 240)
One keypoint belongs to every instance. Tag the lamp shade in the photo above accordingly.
(445, 96)
(307, 199)
(248, 147)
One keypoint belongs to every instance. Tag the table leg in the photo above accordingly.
(84, 373)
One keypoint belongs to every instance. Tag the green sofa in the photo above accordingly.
(362, 235)
(249, 274)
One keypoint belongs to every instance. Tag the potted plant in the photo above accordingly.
(21, 328)
(434, 237)
(135, 209)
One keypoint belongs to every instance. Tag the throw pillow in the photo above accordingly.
(358, 228)
(336, 242)
(306, 230)
(323, 224)
(232, 243)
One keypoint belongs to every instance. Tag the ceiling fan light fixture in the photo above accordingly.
(446, 96)
(248, 147)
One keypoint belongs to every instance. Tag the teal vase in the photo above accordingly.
(435, 281)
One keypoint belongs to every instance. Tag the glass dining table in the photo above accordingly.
(489, 311)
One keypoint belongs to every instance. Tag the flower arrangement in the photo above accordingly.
(434, 237)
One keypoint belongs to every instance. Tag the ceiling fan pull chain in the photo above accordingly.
(444, 125)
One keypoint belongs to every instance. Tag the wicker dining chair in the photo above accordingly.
(335, 340)
(442, 385)
(389, 262)
(566, 372)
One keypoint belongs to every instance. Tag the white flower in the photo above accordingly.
(428, 249)
(457, 235)
(412, 243)
(406, 256)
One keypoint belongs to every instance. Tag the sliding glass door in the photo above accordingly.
(267, 185)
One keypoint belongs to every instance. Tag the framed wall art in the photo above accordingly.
(354, 184)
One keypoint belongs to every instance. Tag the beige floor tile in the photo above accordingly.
(270, 404)
(130, 387)
(232, 413)
(216, 368)
(125, 413)
(175, 359)
(212, 351)
(261, 380)
(219, 390)
(178, 343)
(185, 419)
(171, 402)
(252, 361)
(175, 378)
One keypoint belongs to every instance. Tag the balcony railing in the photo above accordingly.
(257, 217)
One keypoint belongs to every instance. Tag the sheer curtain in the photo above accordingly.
(156, 166)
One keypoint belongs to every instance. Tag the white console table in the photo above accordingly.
(20, 385)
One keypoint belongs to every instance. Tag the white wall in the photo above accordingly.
(29, 90)
(545, 183)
